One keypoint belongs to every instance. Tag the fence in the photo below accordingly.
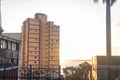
(9, 73)
(18, 73)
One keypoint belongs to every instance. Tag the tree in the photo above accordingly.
(85, 67)
(111, 1)
(108, 31)
(1, 30)
(77, 73)
(108, 24)
(68, 72)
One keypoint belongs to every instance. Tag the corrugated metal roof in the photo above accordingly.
(16, 36)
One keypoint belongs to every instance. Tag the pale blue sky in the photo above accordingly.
(82, 24)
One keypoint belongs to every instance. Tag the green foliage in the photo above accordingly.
(1, 30)
(111, 1)
(77, 73)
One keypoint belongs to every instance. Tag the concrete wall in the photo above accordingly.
(101, 71)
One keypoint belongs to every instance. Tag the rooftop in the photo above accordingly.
(16, 36)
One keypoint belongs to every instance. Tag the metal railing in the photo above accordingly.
(20, 73)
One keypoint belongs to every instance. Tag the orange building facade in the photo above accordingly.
(40, 43)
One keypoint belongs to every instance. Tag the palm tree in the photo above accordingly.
(109, 3)
(108, 24)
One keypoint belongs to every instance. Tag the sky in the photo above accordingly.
(82, 24)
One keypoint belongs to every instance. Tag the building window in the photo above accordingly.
(17, 46)
(34, 61)
(46, 65)
(51, 44)
(35, 30)
(35, 57)
(51, 57)
(51, 40)
(52, 66)
(57, 40)
(46, 44)
(51, 48)
(36, 39)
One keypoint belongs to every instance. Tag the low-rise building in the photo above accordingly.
(9, 55)
(9, 48)
(102, 71)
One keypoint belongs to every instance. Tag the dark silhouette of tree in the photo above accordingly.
(111, 1)
(79, 72)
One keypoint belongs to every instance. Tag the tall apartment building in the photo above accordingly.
(40, 43)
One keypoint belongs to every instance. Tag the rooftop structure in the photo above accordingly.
(101, 70)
